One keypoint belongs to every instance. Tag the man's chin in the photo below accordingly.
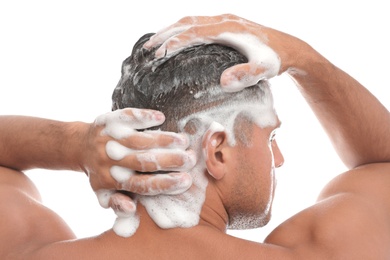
(249, 222)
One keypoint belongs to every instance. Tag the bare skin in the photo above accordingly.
(349, 220)
(79, 146)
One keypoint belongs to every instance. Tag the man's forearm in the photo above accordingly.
(29, 142)
(356, 122)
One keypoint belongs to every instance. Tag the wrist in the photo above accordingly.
(300, 61)
(75, 146)
(307, 64)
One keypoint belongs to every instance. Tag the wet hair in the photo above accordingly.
(186, 88)
(186, 83)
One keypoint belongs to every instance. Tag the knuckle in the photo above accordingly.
(101, 157)
(172, 42)
(228, 16)
(106, 179)
(186, 19)
(135, 185)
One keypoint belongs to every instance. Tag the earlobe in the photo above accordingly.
(214, 144)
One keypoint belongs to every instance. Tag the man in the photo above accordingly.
(223, 126)
(358, 198)
(231, 134)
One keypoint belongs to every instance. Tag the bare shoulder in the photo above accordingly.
(349, 221)
(25, 223)
(370, 181)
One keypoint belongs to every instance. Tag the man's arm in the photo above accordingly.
(30, 142)
(356, 122)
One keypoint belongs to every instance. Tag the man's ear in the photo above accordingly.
(215, 145)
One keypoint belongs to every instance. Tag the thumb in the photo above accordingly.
(240, 76)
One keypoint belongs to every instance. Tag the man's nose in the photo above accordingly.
(278, 156)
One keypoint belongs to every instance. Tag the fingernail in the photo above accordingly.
(126, 208)
(147, 45)
(160, 53)
(158, 116)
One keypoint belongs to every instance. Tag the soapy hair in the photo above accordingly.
(179, 86)
(186, 88)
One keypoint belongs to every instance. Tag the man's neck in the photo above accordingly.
(213, 213)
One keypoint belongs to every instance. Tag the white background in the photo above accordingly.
(62, 60)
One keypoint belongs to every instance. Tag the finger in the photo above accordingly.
(102, 180)
(142, 118)
(158, 160)
(122, 205)
(180, 26)
(121, 174)
(227, 31)
(126, 226)
(104, 196)
(191, 31)
(155, 139)
(191, 36)
(151, 160)
(241, 76)
(154, 184)
(122, 122)
(166, 33)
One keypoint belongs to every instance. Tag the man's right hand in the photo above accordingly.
(269, 52)
(356, 123)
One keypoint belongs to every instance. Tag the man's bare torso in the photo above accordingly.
(351, 215)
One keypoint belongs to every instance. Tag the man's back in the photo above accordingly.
(351, 215)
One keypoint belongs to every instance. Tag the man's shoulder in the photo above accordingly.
(370, 181)
(349, 219)
(25, 223)
(15, 181)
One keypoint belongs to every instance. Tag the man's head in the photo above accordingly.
(228, 131)
(180, 86)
